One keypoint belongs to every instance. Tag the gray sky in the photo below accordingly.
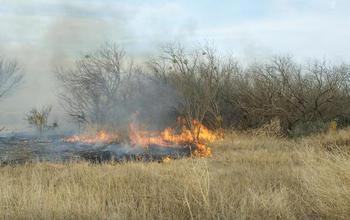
(45, 33)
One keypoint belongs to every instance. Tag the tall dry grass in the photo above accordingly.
(247, 178)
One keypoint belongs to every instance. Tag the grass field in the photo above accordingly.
(246, 178)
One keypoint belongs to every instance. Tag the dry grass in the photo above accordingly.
(247, 178)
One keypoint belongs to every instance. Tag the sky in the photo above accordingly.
(42, 34)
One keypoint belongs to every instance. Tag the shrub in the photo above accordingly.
(39, 119)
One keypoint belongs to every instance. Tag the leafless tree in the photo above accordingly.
(195, 75)
(10, 76)
(293, 93)
(98, 83)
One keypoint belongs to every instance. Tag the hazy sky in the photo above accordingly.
(45, 33)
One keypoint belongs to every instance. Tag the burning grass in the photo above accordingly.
(246, 178)
(179, 136)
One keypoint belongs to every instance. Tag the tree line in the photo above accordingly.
(105, 86)
(206, 86)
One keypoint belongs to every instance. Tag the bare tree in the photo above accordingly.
(293, 93)
(275, 89)
(195, 76)
(98, 83)
(10, 76)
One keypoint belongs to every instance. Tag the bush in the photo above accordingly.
(40, 119)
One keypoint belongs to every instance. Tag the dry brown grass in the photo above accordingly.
(247, 178)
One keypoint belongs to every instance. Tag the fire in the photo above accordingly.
(198, 136)
(102, 136)
(166, 159)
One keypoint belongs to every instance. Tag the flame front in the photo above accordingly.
(198, 136)
(102, 136)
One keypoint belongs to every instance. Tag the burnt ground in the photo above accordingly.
(19, 150)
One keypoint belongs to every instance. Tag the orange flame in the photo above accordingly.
(102, 136)
(199, 135)
(166, 159)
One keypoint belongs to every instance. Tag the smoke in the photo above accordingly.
(42, 40)
(44, 35)
(154, 106)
